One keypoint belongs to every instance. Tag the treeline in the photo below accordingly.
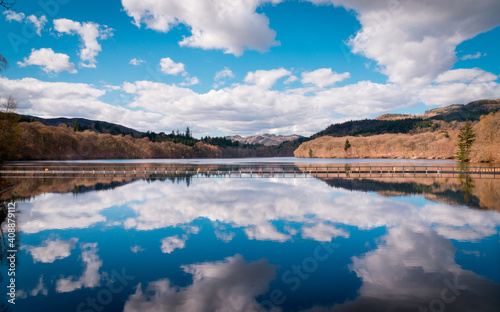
(36, 141)
(369, 127)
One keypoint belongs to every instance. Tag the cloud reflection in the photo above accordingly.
(225, 286)
(253, 205)
(90, 277)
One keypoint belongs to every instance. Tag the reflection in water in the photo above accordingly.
(195, 242)
(226, 286)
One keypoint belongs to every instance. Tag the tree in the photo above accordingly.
(465, 140)
(76, 126)
(310, 153)
(3, 63)
(9, 132)
(347, 145)
(188, 133)
(8, 4)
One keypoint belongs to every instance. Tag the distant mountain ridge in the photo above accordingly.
(84, 124)
(264, 139)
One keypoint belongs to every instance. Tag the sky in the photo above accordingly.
(227, 67)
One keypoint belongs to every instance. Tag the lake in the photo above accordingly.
(311, 242)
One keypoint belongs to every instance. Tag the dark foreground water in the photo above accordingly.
(253, 244)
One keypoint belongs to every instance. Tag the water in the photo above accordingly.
(255, 244)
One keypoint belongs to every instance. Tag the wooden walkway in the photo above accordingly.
(254, 171)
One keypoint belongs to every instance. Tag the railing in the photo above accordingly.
(286, 171)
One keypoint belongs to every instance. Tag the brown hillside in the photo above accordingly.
(428, 145)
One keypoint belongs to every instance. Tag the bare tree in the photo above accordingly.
(3, 63)
(8, 4)
(10, 106)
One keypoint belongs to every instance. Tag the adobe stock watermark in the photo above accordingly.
(28, 30)
(117, 283)
(298, 273)
(448, 295)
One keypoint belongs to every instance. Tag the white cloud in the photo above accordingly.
(168, 66)
(231, 26)
(169, 244)
(472, 56)
(90, 277)
(89, 33)
(38, 22)
(50, 99)
(225, 73)
(291, 79)
(323, 77)
(266, 78)
(414, 41)
(51, 251)
(466, 75)
(190, 81)
(50, 61)
(225, 286)
(13, 16)
(136, 61)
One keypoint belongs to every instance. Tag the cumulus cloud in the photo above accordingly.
(51, 251)
(466, 75)
(51, 62)
(190, 81)
(136, 61)
(323, 77)
(13, 16)
(37, 22)
(226, 286)
(266, 78)
(50, 99)
(168, 66)
(414, 41)
(291, 79)
(244, 108)
(225, 73)
(89, 34)
(231, 26)
(171, 243)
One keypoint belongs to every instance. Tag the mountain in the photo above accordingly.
(264, 139)
(83, 124)
(427, 136)
(407, 123)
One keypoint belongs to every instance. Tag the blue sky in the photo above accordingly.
(247, 66)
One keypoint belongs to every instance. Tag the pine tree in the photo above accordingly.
(347, 145)
(465, 141)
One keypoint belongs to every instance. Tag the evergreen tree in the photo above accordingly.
(188, 133)
(347, 145)
(465, 141)
(76, 126)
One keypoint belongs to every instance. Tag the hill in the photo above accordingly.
(82, 124)
(439, 144)
(264, 139)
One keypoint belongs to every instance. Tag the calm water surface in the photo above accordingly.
(255, 244)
